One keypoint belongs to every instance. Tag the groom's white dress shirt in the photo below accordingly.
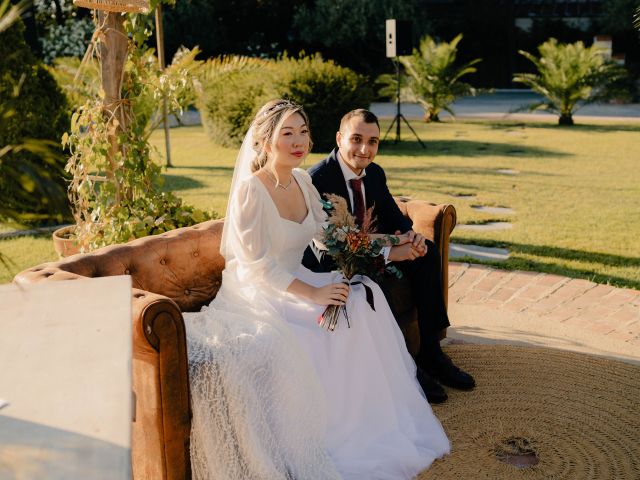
(348, 175)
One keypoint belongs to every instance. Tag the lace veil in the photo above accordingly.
(241, 172)
(258, 407)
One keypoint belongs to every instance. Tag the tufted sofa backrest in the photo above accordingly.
(184, 264)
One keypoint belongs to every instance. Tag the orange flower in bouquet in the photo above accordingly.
(355, 252)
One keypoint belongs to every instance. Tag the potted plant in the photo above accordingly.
(64, 241)
(116, 188)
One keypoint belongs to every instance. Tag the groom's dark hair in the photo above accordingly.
(366, 115)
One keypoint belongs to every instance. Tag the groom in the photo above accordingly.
(348, 171)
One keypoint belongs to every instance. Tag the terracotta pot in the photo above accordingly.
(63, 243)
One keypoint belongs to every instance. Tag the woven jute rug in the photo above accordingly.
(540, 414)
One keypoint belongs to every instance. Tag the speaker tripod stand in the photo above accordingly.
(399, 116)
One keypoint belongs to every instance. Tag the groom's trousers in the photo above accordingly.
(424, 279)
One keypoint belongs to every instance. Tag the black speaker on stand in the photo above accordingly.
(399, 42)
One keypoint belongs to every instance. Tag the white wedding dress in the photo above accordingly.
(274, 395)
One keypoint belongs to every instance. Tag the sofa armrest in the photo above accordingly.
(435, 222)
(162, 411)
(46, 271)
(162, 424)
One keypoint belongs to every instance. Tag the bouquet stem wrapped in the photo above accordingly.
(356, 250)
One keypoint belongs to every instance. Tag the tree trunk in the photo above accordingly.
(161, 61)
(565, 119)
(59, 15)
(113, 53)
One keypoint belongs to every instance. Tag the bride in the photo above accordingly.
(275, 396)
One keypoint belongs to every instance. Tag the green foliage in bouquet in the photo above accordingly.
(119, 198)
(351, 247)
(354, 252)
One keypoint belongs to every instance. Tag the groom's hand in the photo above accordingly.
(418, 241)
(400, 253)
(412, 246)
(402, 238)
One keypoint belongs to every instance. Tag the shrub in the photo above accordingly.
(234, 88)
(67, 40)
(34, 109)
(326, 91)
(79, 81)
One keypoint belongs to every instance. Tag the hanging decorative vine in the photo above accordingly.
(116, 188)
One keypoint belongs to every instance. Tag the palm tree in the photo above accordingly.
(435, 78)
(387, 87)
(9, 14)
(569, 77)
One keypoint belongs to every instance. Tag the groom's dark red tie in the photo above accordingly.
(358, 199)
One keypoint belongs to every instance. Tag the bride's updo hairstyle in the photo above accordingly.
(267, 124)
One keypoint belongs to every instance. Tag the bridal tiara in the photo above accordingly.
(280, 106)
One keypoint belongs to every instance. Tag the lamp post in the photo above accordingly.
(161, 61)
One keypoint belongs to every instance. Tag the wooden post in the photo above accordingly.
(161, 61)
(113, 53)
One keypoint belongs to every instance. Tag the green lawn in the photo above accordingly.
(24, 252)
(576, 196)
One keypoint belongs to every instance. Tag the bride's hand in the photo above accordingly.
(332, 294)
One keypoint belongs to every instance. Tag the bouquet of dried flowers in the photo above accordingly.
(355, 251)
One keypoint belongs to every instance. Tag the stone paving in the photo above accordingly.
(458, 251)
(499, 104)
(598, 309)
(25, 233)
(494, 210)
(485, 227)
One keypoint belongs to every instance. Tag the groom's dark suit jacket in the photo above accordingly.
(327, 177)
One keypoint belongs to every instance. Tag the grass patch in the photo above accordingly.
(575, 196)
(24, 252)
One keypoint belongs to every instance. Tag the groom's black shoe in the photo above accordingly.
(432, 389)
(442, 369)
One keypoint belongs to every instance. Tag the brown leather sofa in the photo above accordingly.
(181, 271)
